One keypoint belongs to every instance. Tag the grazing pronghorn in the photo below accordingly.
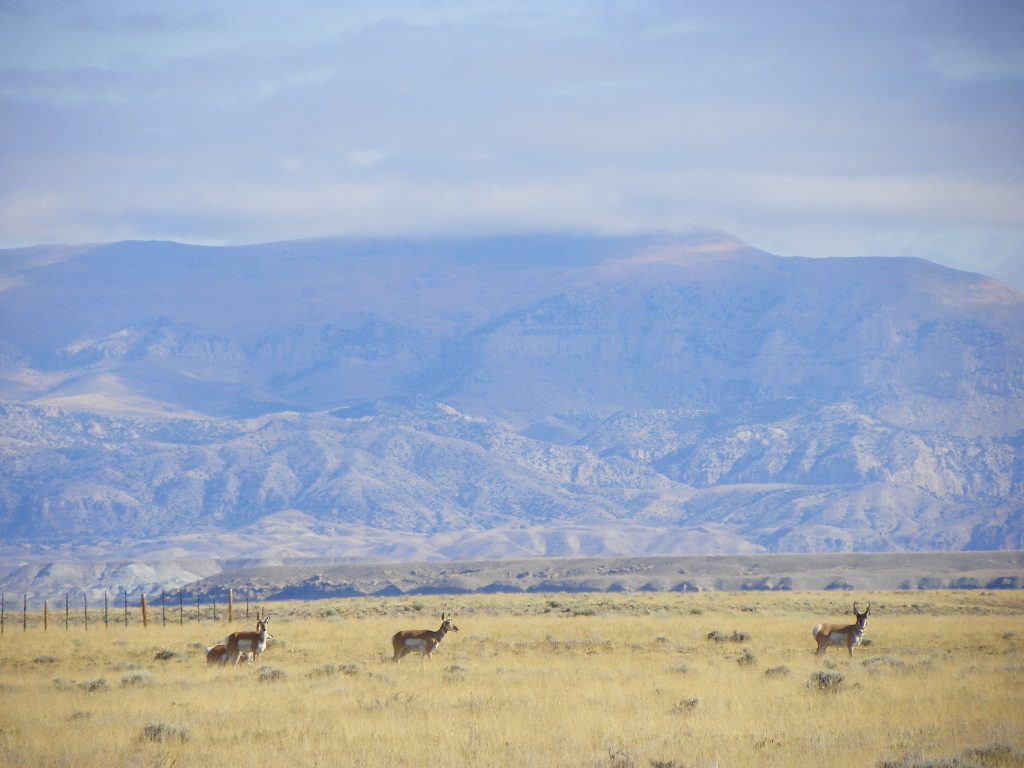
(218, 654)
(423, 641)
(254, 643)
(848, 635)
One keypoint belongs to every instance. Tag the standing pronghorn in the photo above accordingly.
(241, 643)
(848, 635)
(423, 641)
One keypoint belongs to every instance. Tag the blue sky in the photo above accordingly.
(804, 128)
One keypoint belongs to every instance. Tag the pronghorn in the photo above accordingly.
(848, 635)
(254, 643)
(218, 654)
(423, 641)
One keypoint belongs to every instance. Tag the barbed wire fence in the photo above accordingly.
(160, 610)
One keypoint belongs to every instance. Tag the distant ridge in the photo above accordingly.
(842, 572)
(862, 572)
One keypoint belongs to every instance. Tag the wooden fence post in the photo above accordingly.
(85, 610)
(67, 610)
(231, 606)
(126, 606)
(105, 625)
(145, 617)
(46, 614)
(2, 611)
(163, 606)
(181, 609)
(24, 613)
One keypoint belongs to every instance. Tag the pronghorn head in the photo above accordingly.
(862, 618)
(261, 625)
(446, 623)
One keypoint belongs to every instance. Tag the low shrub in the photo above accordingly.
(164, 732)
(686, 705)
(747, 658)
(735, 637)
(272, 675)
(826, 681)
(455, 672)
(880, 663)
(137, 680)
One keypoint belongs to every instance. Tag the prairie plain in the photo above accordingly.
(664, 680)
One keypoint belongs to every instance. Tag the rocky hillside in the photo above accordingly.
(501, 397)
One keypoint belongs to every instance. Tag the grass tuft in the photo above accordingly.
(686, 705)
(995, 756)
(620, 758)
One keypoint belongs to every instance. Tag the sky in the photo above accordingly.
(803, 128)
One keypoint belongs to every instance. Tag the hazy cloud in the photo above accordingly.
(829, 129)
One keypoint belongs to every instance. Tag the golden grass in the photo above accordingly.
(539, 680)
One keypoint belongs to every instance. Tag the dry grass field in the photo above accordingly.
(594, 680)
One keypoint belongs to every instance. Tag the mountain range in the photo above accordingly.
(174, 410)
